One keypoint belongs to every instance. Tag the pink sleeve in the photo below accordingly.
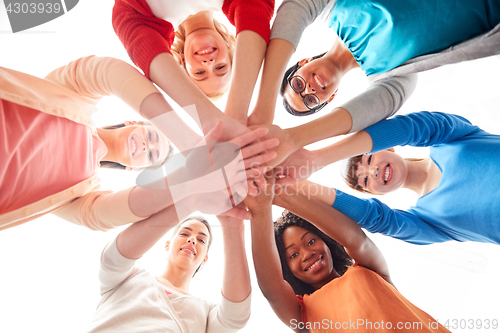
(94, 77)
(100, 210)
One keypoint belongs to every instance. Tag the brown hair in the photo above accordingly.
(201, 219)
(349, 168)
(348, 171)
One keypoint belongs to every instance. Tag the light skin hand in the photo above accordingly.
(297, 167)
(287, 144)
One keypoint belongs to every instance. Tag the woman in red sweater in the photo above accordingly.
(203, 47)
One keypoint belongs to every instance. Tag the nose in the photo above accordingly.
(145, 144)
(374, 171)
(208, 61)
(309, 89)
(192, 240)
(308, 255)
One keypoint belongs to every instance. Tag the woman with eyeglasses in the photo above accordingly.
(389, 40)
(52, 151)
(183, 49)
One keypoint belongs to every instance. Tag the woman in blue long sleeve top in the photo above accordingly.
(459, 194)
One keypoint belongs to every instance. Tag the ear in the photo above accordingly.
(305, 61)
(130, 123)
(167, 246)
(392, 149)
(204, 260)
(129, 168)
(333, 96)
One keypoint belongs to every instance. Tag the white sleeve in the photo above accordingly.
(381, 100)
(114, 268)
(229, 317)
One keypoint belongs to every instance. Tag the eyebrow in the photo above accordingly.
(301, 238)
(200, 233)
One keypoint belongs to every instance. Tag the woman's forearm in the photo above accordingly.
(173, 80)
(265, 254)
(139, 237)
(277, 57)
(236, 279)
(355, 144)
(250, 51)
(337, 122)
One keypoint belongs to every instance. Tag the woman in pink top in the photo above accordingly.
(51, 149)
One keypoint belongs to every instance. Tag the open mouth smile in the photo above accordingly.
(387, 174)
(319, 81)
(132, 146)
(188, 250)
(206, 51)
(315, 264)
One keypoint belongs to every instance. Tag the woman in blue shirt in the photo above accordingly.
(459, 197)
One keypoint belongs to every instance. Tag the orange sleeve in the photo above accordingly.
(303, 312)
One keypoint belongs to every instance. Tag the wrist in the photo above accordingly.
(296, 137)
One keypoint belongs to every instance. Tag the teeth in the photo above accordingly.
(133, 146)
(210, 49)
(314, 265)
(386, 174)
(188, 250)
(318, 81)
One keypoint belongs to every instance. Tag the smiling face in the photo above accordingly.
(308, 257)
(207, 61)
(188, 247)
(140, 145)
(319, 80)
(382, 172)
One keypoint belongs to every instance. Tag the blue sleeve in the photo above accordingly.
(377, 217)
(421, 129)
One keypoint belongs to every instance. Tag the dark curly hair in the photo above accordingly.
(341, 260)
(288, 74)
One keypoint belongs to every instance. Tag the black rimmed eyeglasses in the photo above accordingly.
(298, 84)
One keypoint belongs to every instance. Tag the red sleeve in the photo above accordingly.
(143, 35)
(252, 15)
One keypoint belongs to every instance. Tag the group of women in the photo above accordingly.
(315, 264)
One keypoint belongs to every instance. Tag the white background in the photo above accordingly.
(48, 267)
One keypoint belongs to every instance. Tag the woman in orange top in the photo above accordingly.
(309, 279)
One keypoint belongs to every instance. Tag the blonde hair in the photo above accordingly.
(180, 37)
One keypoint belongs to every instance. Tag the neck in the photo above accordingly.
(200, 20)
(340, 58)
(108, 137)
(333, 275)
(177, 278)
(418, 174)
